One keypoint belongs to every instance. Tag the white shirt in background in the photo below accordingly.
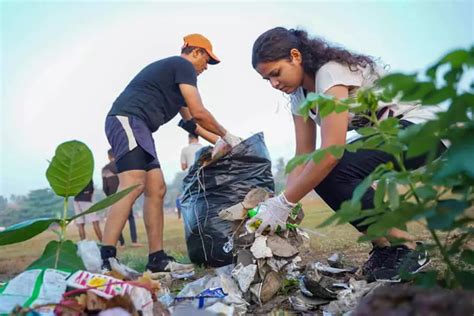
(188, 154)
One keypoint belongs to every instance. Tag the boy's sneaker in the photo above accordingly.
(107, 252)
(166, 264)
(379, 257)
(408, 261)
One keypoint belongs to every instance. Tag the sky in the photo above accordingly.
(63, 63)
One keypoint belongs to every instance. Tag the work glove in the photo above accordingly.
(224, 145)
(220, 149)
(272, 213)
(232, 140)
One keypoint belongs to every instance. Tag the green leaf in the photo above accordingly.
(466, 279)
(341, 108)
(456, 58)
(353, 147)
(25, 230)
(380, 193)
(296, 161)
(437, 96)
(459, 159)
(59, 255)
(453, 76)
(393, 195)
(468, 256)
(111, 199)
(426, 192)
(398, 81)
(445, 214)
(336, 151)
(395, 219)
(326, 108)
(70, 169)
(361, 189)
(367, 131)
(427, 280)
(418, 91)
(319, 155)
(373, 142)
(389, 126)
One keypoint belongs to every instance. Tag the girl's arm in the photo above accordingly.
(333, 132)
(305, 133)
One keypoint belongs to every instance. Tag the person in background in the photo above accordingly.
(110, 183)
(188, 153)
(82, 202)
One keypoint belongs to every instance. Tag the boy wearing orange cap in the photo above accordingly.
(151, 99)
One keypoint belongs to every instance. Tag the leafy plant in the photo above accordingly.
(68, 173)
(438, 195)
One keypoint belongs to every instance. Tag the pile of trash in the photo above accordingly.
(264, 267)
(46, 291)
(268, 273)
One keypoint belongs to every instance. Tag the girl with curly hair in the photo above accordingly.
(297, 64)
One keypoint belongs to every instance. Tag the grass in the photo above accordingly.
(15, 258)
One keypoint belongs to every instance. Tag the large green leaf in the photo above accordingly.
(25, 230)
(459, 158)
(445, 214)
(466, 278)
(70, 169)
(468, 256)
(59, 255)
(111, 199)
(296, 161)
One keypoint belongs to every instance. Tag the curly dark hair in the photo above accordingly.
(276, 44)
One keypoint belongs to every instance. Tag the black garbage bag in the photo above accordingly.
(210, 189)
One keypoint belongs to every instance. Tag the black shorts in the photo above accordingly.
(132, 143)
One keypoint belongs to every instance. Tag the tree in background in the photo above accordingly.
(3, 203)
(174, 189)
(37, 203)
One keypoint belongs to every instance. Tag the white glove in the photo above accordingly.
(232, 140)
(220, 149)
(272, 213)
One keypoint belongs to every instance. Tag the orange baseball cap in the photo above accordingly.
(200, 41)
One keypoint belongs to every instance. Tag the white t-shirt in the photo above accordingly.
(333, 73)
(188, 154)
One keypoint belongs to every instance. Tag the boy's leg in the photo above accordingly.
(158, 260)
(133, 229)
(119, 211)
(121, 240)
(155, 190)
(82, 231)
(97, 230)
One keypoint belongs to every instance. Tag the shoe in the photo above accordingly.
(408, 261)
(107, 252)
(167, 264)
(378, 258)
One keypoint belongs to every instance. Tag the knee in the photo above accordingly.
(156, 192)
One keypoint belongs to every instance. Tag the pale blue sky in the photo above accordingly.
(64, 62)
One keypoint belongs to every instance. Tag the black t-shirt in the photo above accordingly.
(86, 194)
(110, 180)
(153, 95)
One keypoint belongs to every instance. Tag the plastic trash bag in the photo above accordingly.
(219, 185)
